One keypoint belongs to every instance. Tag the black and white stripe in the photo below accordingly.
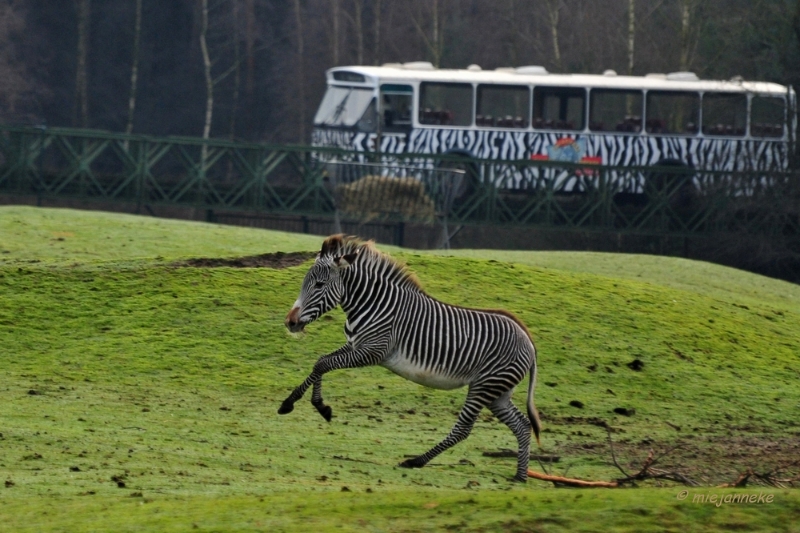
(702, 153)
(393, 323)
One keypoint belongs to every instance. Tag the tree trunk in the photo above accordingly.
(513, 34)
(209, 82)
(81, 74)
(686, 38)
(250, 30)
(236, 68)
(553, 7)
(137, 32)
(377, 31)
(299, 71)
(437, 47)
(336, 18)
(358, 12)
(434, 42)
(631, 34)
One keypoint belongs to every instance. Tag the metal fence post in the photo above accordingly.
(40, 174)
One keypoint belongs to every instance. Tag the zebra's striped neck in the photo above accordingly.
(367, 275)
(374, 277)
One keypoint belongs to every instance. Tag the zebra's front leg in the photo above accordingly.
(462, 429)
(344, 357)
(319, 405)
(314, 379)
(288, 404)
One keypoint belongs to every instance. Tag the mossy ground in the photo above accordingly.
(138, 395)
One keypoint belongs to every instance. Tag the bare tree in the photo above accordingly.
(284, 48)
(553, 8)
(250, 32)
(358, 23)
(689, 32)
(335, 38)
(137, 32)
(81, 74)
(237, 76)
(433, 43)
(376, 24)
(356, 20)
(631, 34)
(14, 78)
(524, 35)
(299, 70)
(207, 73)
(513, 33)
(219, 37)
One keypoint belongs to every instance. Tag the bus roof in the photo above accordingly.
(421, 71)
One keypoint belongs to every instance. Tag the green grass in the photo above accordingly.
(118, 367)
(67, 235)
(695, 276)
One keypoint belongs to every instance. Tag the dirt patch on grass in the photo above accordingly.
(707, 459)
(274, 260)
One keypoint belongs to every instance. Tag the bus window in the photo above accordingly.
(559, 108)
(724, 114)
(503, 106)
(342, 106)
(672, 112)
(767, 115)
(396, 105)
(612, 110)
(343, 75)
(448, 104)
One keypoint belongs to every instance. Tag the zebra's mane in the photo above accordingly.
(349, 246)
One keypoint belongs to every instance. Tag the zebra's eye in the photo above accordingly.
(319, 284)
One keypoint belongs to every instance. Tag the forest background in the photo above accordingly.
(254, 69)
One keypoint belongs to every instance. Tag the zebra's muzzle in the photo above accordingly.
(293, 322)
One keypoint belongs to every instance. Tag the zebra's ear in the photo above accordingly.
(345, 261)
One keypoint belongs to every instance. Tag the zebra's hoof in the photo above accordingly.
(416, 462)
(325, 411)
(286, 407)
(520, 479)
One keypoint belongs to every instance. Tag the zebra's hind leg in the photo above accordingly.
(519, 424)
(466, 420)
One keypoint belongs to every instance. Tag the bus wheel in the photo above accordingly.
(458, 180)
(674, 179)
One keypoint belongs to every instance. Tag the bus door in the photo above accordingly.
(396, 107)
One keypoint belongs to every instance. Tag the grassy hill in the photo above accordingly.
(141, 394)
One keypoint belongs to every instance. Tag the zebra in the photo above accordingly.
(392, 322)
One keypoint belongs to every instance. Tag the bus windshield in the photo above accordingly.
(343, 106)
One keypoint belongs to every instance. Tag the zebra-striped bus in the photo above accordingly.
(529, 113)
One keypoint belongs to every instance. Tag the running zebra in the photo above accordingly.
(393, 323)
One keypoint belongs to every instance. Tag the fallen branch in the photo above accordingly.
(741, 481)
(768, 478)
(645, 472)
(565, 481)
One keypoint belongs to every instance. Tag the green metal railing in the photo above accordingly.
(301, 180)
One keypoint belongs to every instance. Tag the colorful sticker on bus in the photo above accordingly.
(569, 150)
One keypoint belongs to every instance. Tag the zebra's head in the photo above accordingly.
(322, 287)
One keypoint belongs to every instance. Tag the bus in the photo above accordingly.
(527, 113)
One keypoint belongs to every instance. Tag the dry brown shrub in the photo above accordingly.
(380, 198)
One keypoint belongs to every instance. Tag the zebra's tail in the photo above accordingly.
(533, 414)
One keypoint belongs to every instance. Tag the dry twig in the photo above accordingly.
(645, 472)
(770, 478)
